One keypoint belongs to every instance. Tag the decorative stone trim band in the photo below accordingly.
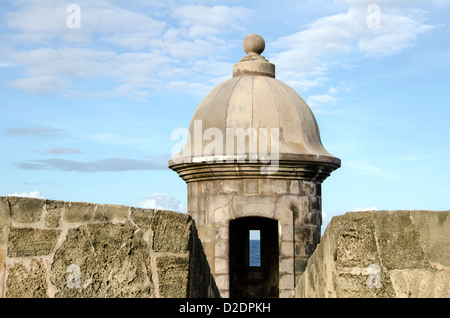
(284, 169)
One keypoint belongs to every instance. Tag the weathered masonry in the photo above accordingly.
(254, 161)
(73, 249)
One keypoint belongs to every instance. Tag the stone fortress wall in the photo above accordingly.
(66, 249)
(393, 254)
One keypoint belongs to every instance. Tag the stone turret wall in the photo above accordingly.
(67, 249)
(381, 254)
(294, 204)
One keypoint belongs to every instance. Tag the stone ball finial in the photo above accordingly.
(254, 44)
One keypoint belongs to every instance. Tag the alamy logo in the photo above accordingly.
(238, 145)
(374, 18)
(374, 278)
(74, 279)
(74, 19)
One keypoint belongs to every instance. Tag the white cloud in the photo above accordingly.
(202, 21)
(61, 151)
(367, 168)
(139, 51)
(309, 53)
(38, 84)
(35, 131)
(162, 201)
(32, 194)
(319, 100)
(109, 165)
(359, 209)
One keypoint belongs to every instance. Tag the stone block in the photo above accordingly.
(222, 233)
(27, 281)
(112, 260)
(206, 233)
(294, 187)
(284, 214)
(193, 196)
(286, 281)
(223, 282)
(287, 232)
(171, 232)
(287, 265)
(307, 188)
(251, 187)
(26, 210)
(25, 242)
(287, 248)
(380, 254)
(273, 186)
(355, 240)
(54, 211)
(398, 240)
(222, 215)
(356, 285)
(286, 293)
(231, 186)
(142, 217)
(217, 201)
(420, 283)
(316, 203)
(212, 187)
(111, 213)
(253, 205)
(434, 232)
(78, 212)
(221, 265)
(173, 273)
(5, 221)
(2, 269)
(304, 233)
(221, 249)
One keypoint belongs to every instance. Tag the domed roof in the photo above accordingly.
(255, 105)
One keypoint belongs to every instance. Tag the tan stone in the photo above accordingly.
(27, 281)
(101, 251)
(221, 265)
(173, 276)
(419, 283)
(380, 254)
(111, 213)
(25, 242)
(434, 231)
(142, 217)
(54, 212)
(222, 215)
(221, 249)
(294, 187)
(26, 210)
(171, 232)
(286, 281)
(113, 261)
(251, 187)
(78, 212)
(231, 186)
(253, 205)
(398, 240)
(222, 233)
(4, 221)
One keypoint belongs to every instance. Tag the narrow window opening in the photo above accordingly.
(254, 248)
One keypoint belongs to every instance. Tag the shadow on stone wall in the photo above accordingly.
(67, 249)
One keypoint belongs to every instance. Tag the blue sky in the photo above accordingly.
(86, 114)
